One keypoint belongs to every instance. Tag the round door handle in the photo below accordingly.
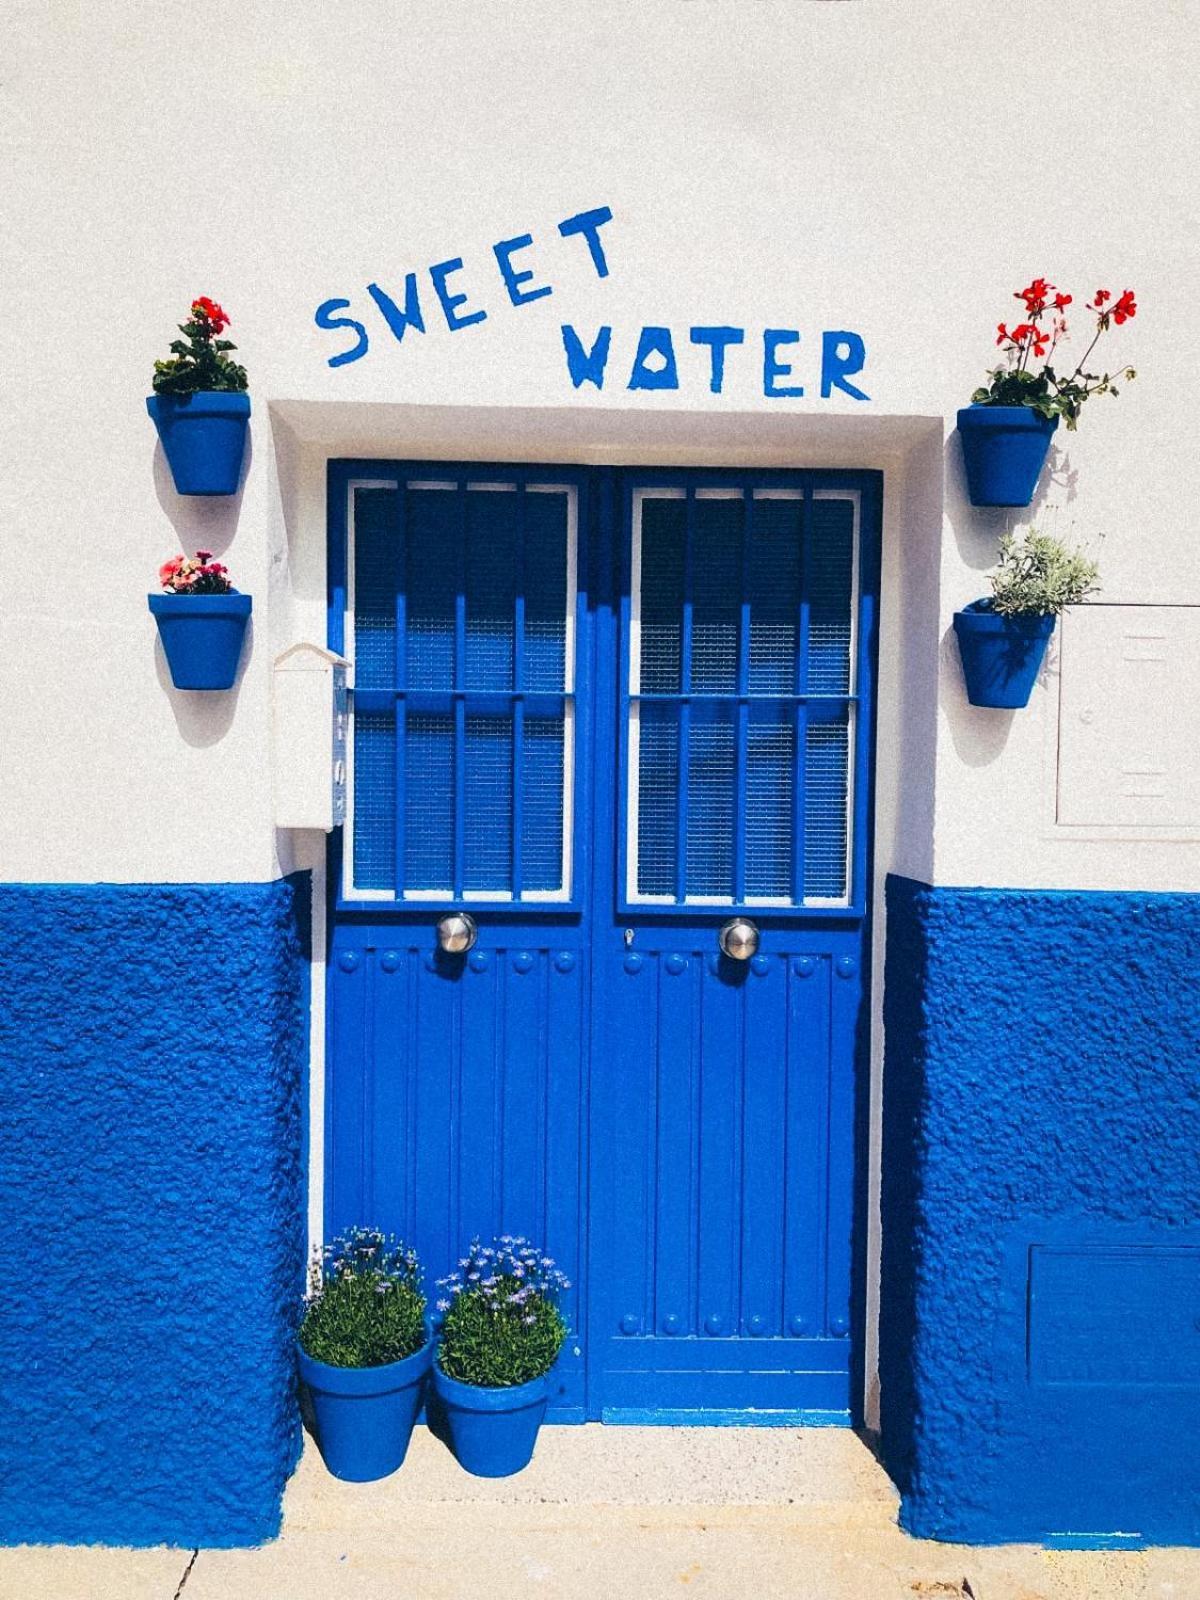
(456, 933)
(738, 939)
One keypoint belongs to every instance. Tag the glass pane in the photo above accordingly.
(542, 804)
(375, 801)
(830, 599)
(432, 539)
(662, 548)
(774, 581)
(826, 773)
(770, 777)
(428, 802)
(710, 793)
(491, 579)
(376, 576)
(487, 842)
(716, 594)
(658, 793)
(546, 530)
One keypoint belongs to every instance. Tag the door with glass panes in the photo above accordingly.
(598, 717)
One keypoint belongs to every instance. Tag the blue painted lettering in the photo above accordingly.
(717, 339)
(654, 345)
(399, 321)
(586, 366)
(513, 279)
(454, 320)
(835, 367)
(773, 369)
(324, 318)
(589, 223)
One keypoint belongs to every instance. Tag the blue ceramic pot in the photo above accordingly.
(201, 636)
(492, 1431)
(1004, 449)
(203, 438)
(363, 1416)
(1001, 656)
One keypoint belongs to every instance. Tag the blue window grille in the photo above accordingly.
(742, 694)
(461, 621)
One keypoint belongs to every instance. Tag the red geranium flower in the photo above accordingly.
(1125, 308)
(211, 312)
(1035, 296)
(1101, 296)
(1061, 300)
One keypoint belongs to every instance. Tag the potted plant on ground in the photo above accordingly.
(1006, 429)
(1002, 639)
(201, 621)
(364, 1353)
(200, 405)
(501, 1334)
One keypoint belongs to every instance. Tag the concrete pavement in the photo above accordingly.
(634, 1513)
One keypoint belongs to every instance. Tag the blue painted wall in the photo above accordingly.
(152, 1050)
(1040, 1330)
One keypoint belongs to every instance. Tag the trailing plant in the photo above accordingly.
(200, 361)
(1038, 576)
(203, 575)
(365, 1306)
(1020, 381)
(501, 1323)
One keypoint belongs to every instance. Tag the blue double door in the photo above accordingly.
(605, 713)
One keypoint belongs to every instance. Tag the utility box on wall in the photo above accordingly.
(1126, 742)
(310, 717)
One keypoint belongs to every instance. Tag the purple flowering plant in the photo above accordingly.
(501, 1324)
(365, 1306)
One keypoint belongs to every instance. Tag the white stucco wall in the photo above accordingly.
(895, 171)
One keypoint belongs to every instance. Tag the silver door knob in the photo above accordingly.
(457, 933)
(738, 939)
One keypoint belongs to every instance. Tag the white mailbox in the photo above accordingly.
(310, 719)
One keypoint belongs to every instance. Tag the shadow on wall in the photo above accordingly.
(203, 716)
(201, 522)
(978, 530)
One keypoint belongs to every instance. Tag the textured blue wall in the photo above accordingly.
(1040, 1327)
(152, 1050)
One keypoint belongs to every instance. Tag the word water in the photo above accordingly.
(655, 365)
(407, 311)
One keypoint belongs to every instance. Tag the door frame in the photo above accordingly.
(602, 599)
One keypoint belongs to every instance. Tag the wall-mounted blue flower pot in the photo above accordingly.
(492, 1431)
(363, 1416)
(202, 636)
(1001, 656)
(1004, 449)
(203, 438)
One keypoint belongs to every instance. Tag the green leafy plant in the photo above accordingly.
(1038, 576)
(501, 1324)
(365, 1306)
(200, 362)
(1019, 382)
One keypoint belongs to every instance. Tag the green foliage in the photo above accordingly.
(200, 362)
(367, 1308)
(498, 1347)
(502, 1326)
(1045, 392)
(1039, 575)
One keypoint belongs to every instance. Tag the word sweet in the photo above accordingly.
(405, 311)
